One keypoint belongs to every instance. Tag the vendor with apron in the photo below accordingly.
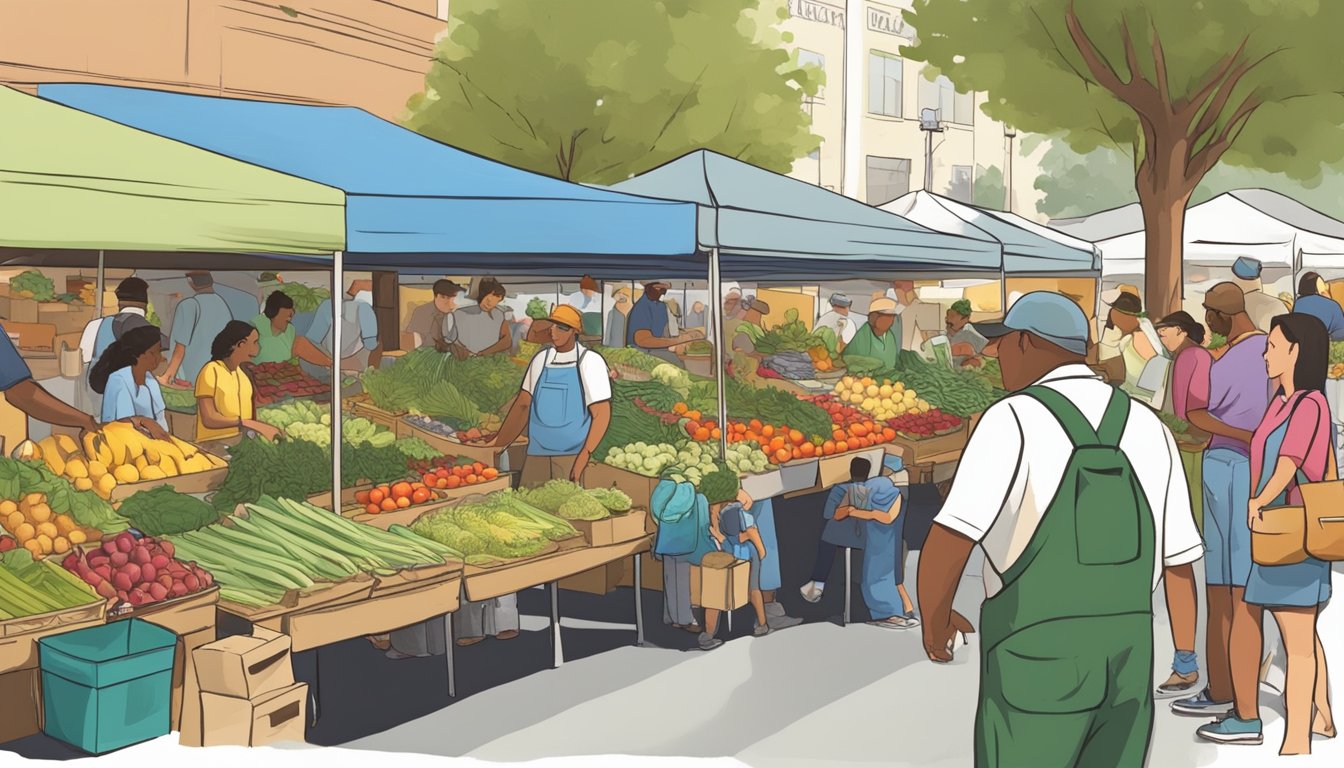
(1078, 503)
(647, 327)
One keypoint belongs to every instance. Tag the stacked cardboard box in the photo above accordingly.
(248, 694)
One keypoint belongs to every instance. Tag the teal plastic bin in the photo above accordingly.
(104, 688)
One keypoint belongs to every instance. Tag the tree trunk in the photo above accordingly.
(1163, 192)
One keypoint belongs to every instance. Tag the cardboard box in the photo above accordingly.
(185, 706)
(331, 624)
(245, 666)
(181, 425)
(195, 482)
(68, 318)
(267, 719)
(615, 529)
(15, 308)
(725, 589)
(18, 637)
(638, 487)
(21, 692)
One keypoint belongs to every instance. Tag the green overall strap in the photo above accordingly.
(1112, 426)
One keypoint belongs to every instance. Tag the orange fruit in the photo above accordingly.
(442, 482)
(490, 473)
(782, 455)
(389, 505)
(372, 509)
(441, 472)
(679, 408)
(700, 434)
(477, 468)
(768, 431)
(828, 447)
(453, 482)
(472, 479)
(755, 425)
(401, 490)
(693, 415)
(889, 433)
(377, 495)
(808, 450)
(429, 478)
(716, 433)
(362, 497)
(420, 496)
(841, 446)
(838, 435)
(797, 452)
(403, 502)
(795, 437)
(776, 444)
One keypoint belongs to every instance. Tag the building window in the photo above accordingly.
(812, 58)
(884, 84)
(888, 179)
(953, 107)
(961, 186)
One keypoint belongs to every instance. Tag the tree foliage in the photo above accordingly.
(602, 90)
(988, 187)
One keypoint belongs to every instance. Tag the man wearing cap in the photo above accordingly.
(1078, 500)
(755, 315)
(966, 342)
(1260, 306)
(878, 339)
(197, 320)
(1238, 396)
(838, 319)
(647, 326)
(431, 325)
(132, 307)
(1138, 342)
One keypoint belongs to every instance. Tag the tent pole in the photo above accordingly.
(100, 283)
(337, 296)
(1003, 284)
(716, 330)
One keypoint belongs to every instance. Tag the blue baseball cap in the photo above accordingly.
(1048, 315)
(1246, 268)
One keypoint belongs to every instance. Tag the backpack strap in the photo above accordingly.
(1072, 420)
(1112, 425)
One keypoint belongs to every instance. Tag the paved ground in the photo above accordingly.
(819, 694)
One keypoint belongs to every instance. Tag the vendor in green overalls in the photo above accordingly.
(880, 337)
(1080, 505)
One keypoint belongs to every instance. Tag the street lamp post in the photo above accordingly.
(1009, 134)
(929, 124)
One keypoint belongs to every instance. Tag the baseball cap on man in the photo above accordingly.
(1123, 301)
(1047, 315)
(567, 316)
(1227, 298)
(882, 306)
(1247, 268)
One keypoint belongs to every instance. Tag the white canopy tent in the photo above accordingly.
(1274, 228)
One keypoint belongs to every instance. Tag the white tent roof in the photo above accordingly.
(1247, 222)
(1028, 248)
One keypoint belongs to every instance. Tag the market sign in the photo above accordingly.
(888, 23)
(822, 13)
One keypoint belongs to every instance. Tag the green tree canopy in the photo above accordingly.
(989, 187)
(602, 90)
(1180, 86)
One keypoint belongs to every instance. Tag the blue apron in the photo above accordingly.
(763, 510)
(1300, 585)
(558, 421)
(104, 338)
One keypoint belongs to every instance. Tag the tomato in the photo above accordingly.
(490, 473)
(477, 468)
(372, 509)
(442, 483)
(401, 490)
(420, 496)
(441, 472)
(461, 471)
(472, 479)
(389, 505)
(430, 478)
(377, 495)
(403, 502)
(362, 497)
(454, 481)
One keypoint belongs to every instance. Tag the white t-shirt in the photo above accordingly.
(1010, 481)
(593, 374)
(845, 326)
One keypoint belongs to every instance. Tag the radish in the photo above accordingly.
(106, 590)
(167, 547)
(125, 542)
(140, 556)
(192, 582)
(110, 546)
(136, 597)
(158, 591)
(159, 562)
(121, 581)
(147, 573)
(119, 560)
(178, 589)
(132, 572)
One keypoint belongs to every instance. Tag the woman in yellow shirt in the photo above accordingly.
(225, 399)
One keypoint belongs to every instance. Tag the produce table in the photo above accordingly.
(487, 583)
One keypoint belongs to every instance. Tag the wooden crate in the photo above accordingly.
(409, 515)
(368, 410)
(638, 487)
(18, 637)
(195, 482)
(915, 452)
(615, 529)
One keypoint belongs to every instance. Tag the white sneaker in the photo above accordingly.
(811, 592)
(895, 622)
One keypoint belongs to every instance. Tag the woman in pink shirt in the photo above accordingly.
(1294, 444)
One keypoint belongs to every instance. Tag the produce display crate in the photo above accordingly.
(366, 615)
(414, 578)
(699, 365)
(638, 487)
(68, 318)
(367, 410)
(195, 482)
(181, 615)
(915, 452)
(486, 583)
(486, 454)
(18, 637)
(630, 373)
(409, 515)
(181, 425)
(615, 529)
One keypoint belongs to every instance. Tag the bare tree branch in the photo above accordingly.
(1211, 82)
(1204, 160)
(1160, 64)
(1224, 94)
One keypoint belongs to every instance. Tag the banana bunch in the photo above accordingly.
(120, 453)
(86, 295)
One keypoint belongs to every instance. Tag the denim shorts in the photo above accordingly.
(1300, 585)
(1227, 537)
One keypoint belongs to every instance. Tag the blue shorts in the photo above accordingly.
(1227, 499)
(1301, 585)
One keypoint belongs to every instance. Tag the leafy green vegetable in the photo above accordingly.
(1336, 352)
(29, 587)
(1176, 425)
(162, 511)
(581, 506)
(538, 309)
(720, 486)
(293, 469)
(33, 284)
(434, 384)
(790, 336)
(305, 299)
(182, 400)
(501, 525)
(614, 499)
(18, 478)
(415, 448)
(776, 407)
(628, 356)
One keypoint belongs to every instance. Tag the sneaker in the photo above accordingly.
(1201, 705)
(912, 619)
(895, 622)
(778, 619)
(811, 592)
(1232, 730)
(708, 643)
(761, 630)
(1177, 684)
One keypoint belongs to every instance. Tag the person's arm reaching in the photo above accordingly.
(29, 396)
(309, 352)
(212, 418)
(646, 339)
(942, 561)
(601, 413)
(1143, 346)
(169, 373)
(753, 535)
(515, 420)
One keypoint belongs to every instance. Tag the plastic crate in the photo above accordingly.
(107, 687)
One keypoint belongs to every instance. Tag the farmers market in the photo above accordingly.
(349, 419)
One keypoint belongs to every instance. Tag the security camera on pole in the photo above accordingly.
(930, 124)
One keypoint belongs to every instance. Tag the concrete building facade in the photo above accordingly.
(367, 53)
(892, 92)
